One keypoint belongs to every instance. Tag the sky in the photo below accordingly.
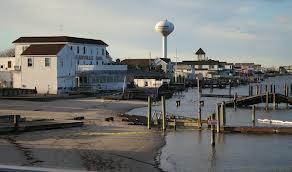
(257, 31)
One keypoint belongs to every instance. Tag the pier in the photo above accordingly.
(262, 98)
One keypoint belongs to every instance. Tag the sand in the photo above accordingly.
(97, 146)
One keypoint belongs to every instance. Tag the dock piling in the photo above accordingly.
(149, 113)
(223, 114)
(253, 115)
(15, 121)
(234, 101)
(274, 88)
(267, 101)
(271, 88)
(212, 130)
(218, 117)
(163, 113)
(274, 101)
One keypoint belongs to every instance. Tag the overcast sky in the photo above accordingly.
(228, 30)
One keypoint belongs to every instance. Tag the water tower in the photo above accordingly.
(165, 28)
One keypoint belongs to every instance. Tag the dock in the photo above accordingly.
(261, 98)
(258, 130)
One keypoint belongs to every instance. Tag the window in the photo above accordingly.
(91, 51)
(29, 62)
(1, 66)
(97, 51)
(102, 51)
(9, 64)
(71, 47)
(96, 62)
(77, 49)
(84, 50)
(47, 62)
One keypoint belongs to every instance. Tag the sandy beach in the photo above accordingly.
(97, 146)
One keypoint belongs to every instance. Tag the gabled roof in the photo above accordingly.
(200, 51)
(43, 49)
(52, 39)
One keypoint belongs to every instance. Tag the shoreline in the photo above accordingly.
(98, 145)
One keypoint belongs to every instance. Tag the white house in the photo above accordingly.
(54, 64)
(165, 64)
(184, 71)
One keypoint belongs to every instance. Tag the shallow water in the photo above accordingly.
(191, 150)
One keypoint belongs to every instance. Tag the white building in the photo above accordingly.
(150, 83)
(184, 72)
(7, 63)
(54, 64)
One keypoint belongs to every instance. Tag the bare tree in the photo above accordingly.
(9, 52)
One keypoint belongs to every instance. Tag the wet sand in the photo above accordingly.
(97, 146)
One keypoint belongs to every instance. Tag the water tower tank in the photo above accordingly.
(165, 28)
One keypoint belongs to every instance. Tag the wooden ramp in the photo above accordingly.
(256, 99)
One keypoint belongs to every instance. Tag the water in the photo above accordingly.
(191, 150)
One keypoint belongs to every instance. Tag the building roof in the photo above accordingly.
(137, 62)
(202, 62)
(200, 51)
(43, 49)
(47, 39)
(166, 60)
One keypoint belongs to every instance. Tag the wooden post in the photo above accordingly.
(174, 123)
(251, 90)
(149, 113)
(212, 130)
(253, 115)
(257, 90)
(291, 89)
(274, 88)
(15, 122)
(266, 88)
(199, 105)
(274, 101)
(163, 113)
(267, 101)
(271, 88)
(218, 117)
(234, 101)
(287, 95)
(261, 88)
(223, 114)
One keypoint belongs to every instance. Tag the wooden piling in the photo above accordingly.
(223, 115)
(163, 113)
(274, 89)
(267, 101)
(287, 95)
(253, 115)
(218, 117)
(271, 88)
(174, 122)
(212, 130)
(149, 113)
(15, 121)
(274, 101)
(234, 101)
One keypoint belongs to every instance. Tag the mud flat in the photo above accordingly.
(98, 146)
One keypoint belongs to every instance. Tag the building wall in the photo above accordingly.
(4, 63)
(44, 79)
(66, 70)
